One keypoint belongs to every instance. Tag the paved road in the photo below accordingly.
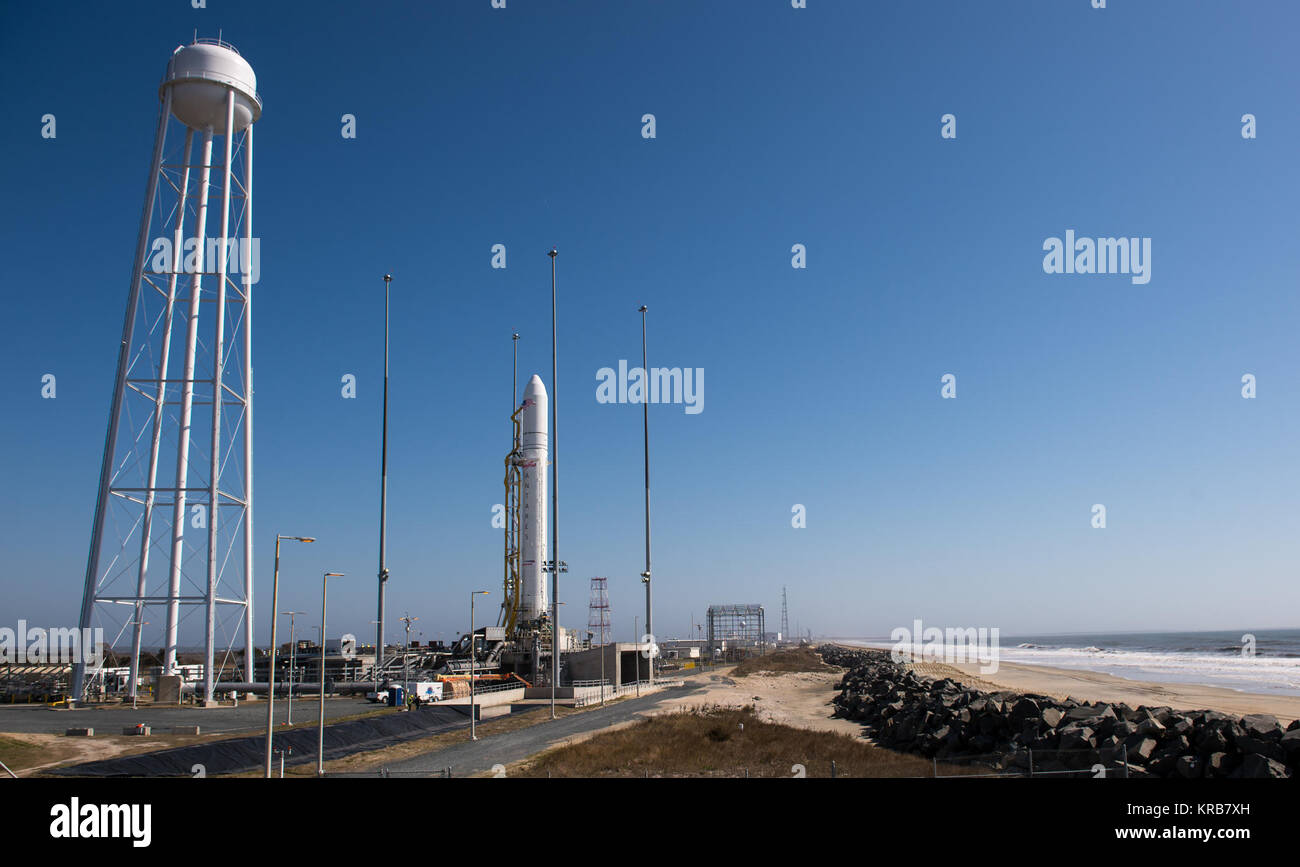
(474, 757)
(249, 716)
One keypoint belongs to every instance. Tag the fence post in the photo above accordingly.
(832, 769)
(935, 759)
(1031, 763)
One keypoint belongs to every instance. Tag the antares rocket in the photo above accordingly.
(534, 447)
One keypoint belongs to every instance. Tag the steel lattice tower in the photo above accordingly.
(785, 617)
(174, 511)
(598, 609)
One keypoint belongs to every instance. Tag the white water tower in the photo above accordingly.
(172, 535)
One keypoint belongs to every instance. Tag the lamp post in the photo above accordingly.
(320, 749)
(406, 655)
(270, 677)
(645, 576)
(383, 498)
(636, 642)
(293, 664)
(472, 650)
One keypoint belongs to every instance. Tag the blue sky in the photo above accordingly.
(775, 126)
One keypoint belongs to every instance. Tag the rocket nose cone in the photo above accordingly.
(535, 386)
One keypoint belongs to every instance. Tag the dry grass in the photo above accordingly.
(798, 659)
(712, 743)
(372, 760)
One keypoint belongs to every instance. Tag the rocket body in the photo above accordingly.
(534, 446)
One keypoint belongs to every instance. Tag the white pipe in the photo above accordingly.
(248, 404)
(218, 362)
(187, 405)
(160, 402)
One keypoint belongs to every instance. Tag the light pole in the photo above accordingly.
(472, 649)
(383, 499)
(270, 677)
(549, 566)
(636, 642)
(406, 655)
(555, 493)
(293, 664)
(645, 576)
(320, 749)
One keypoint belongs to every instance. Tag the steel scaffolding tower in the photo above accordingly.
(598, 609)
(184, 538)
(738, 626)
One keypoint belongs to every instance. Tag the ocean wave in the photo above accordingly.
(1270, 674)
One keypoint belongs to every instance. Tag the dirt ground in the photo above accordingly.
(801, 699)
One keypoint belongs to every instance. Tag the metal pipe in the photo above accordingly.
(383, 501)
(320, 754)
(645, 420)
(246, 280)
(187, 406)
(218, 369)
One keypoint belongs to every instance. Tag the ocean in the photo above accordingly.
(1209, 658)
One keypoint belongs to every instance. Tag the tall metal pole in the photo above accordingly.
(214, 474)
(514, 386)
(293, 666)
(472, 735)
(645, 420)
(472, 652)
(270, 679)
(247, 281)
(383, 500)
(320, 747)
(186, 410)
(555, 495)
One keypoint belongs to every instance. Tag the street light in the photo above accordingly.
(293, 665)
(406, 656)
(320, 749)
(472, 735)
(270, 678)
(645, 576)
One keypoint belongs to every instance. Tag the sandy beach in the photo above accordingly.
(800, 699)
(1094, 686)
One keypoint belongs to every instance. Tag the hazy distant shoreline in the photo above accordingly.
(1176, 661)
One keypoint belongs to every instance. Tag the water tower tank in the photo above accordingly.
(200, 75)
